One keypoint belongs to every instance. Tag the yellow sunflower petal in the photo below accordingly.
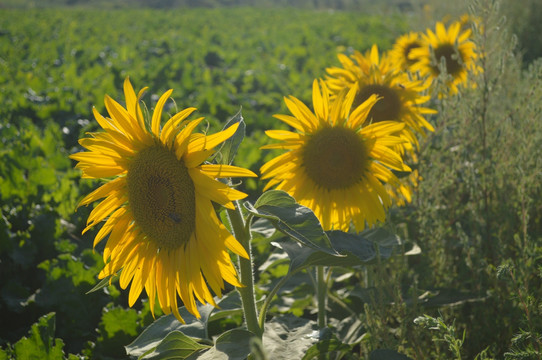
(215, 190)
(283, 135)
(320, 101)
(166, 136)
(183, 138)
(109, 225)
(210, 141)
(157, 113)
(103, 191)
(302, 113)
(223, 171)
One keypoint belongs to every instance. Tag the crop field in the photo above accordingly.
(454, 273)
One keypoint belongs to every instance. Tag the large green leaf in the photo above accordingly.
(232, 345)
(289, 337)
(355, 249)
(381, 236)
(154, 334)
(41, 343)
(175, 345)
(294, 220)
(228, 305)
(263, 227)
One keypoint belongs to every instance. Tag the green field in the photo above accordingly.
(477, 217)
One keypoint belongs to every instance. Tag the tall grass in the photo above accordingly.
(477, 216)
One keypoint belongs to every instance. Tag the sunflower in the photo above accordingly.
(446, 50)
(335, 165)
(402, 97)
(371, 74)
(163, 230)
(400, 53)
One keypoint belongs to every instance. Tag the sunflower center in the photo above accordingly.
(335, 157)
(452, 58)
(407, 51)
(387, 108)
(162, 198)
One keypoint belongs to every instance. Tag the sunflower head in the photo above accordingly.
(161, 228)
(401, 52)
(400, 96)
(447, 51)
(336, 163)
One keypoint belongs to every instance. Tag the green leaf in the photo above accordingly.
(294, 220)
(385, 354)
(354, 249)
(175, 345)
(105, 282)
(232, 345)
(118, 326)
(230, 146)
(366, 245)
(381, 236)
(41, 343)
(289, 337)
(152, 336)
(331, 348)
(263, 227)
(3, 354)
(118, 320)
(230, 304)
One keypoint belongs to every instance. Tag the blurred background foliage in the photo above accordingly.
(477, 217)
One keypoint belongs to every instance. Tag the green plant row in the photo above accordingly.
(55, 65)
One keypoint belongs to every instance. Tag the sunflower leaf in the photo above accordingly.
(231, 345)
(295, 220)
(355, 249)
(289, 337)
(229, 304)
(105, 282)
(152, 336)
(229, 147)
(175, 345)
(381, 237)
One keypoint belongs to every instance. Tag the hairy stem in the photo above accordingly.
(269, 298)
(321, 292)
(242, 234)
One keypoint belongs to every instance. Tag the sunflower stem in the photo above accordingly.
(321, 293)
(242, 234)
(272, 293)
